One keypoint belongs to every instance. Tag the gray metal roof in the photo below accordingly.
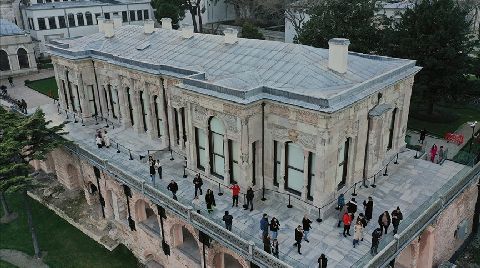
(9, 28)
(245, 71)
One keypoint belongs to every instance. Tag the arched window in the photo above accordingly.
(23, 58)
(71, 20)
(80, 20)
(217, 152)
(186, 243)
(4, 62)
(89, 18)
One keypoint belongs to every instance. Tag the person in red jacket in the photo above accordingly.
(235, 192)
(347, 221)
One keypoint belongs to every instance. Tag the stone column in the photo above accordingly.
(226, 152)
(425, 257)
(281, 183)
(305, 174)
(180, 128)
(147, 107)
(31, 59)
(14, 64)
(108, 89)
(103, 101)
(137, 111)
(67, 91)
(171, 126)
(208, 165)
(163, 114)
(83, 99)
(415, 251)
(244, 154)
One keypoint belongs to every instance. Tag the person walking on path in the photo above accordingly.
(376, 235)
(159, 169)
(267, 244)
(433, 153)
(423, 134)
(198, 182)
(274, 226)
(264, 225)
(250, 196)
(340, 215)
(358, 233)
(322, 261)
(24, 106)
(106, 138)
(228, 219)
(307, 224)
(152, 169)
(210, 200)
(363, 221)
(298, 238)
(384, 221)
(340, 201)
(275, 247)
(352, 206)
(235, 192)
(347, 221)
(98, 140)
(368, 205)
(397, 216)
(10, 80)
(441, 155)
(173, 187)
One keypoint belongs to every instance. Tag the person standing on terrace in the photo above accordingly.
(368, 206)
(173, 187)
(397, 216)
(274, 226)
(264, 225)
(198, 182)
(298, 238)
(235, 192)
(250, 196)
(210, 200)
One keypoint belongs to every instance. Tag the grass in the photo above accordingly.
(47, 86)
(65, 245)
(468, 151)
(458, 115)
(4, 264)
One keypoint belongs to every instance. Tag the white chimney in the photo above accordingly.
(187, 31)
(100, 21)
(230, 35)
(108, 28)
(166, 23)
(338, 54)
(148, 26)
(117, 21)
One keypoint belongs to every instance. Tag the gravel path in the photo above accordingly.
(21, 259)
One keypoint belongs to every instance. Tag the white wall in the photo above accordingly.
(290, 32)
(213, 12)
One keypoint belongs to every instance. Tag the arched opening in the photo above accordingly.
(217, 150)
(23, 58)
(92, 189)
(146, 216)
(89, 18)
(71, 20)
(186, 243)
(150, 262)
(4, 62)
(225, 260)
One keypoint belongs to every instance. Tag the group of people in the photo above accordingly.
(434, 150)
(347, 216)
(155, 167)
(102, 139)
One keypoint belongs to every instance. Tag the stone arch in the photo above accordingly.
(146, 215)
(22, 56)
(115, 201)
(73, 176)
(185, 239)
(4, 61)
(225, 260)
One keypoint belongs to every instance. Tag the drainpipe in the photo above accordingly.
(263, 151)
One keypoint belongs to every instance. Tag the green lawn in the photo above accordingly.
(4, 264)
(65, 245)
(47, 86)
(461, 113)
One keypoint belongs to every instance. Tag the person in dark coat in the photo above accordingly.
(159, 169)
(274, 226)
(376, 235)
(198, 182)
(368, 205)
(322, 261)
(264, 225)
(340, 201)
(228, 219)
(423, 134)
(152, 169)
(210, 200)
(397, 216)
(24, 106)
(384, 221)
(307, 224)
(10, 80)
(250, 196)
(352, 206)
(266, 244)
(275, 247)
(298, 238)
(173, 187)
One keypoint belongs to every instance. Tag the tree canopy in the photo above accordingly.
(173, 9)
(250, 31)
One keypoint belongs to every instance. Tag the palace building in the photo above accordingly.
(296, 123)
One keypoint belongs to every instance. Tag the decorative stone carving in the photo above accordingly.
(307, 140)
(230, 122)
(200, 114)
(307, 117)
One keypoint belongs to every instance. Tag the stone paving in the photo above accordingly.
(409, 184)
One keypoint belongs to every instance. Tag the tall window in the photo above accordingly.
(200, 138)
(113, 100)
(132, 15)
(391, 129)
(234, 160)
(106, 15)
(139, 14)
(4, 62)
(52, 23)
(158, 120)
(295, 163)
(124, 16)
(130, 108)
(61, 22)
(31, 24)
(342, 163)
(312, 167)
(23, 58)
(146, 16)
(89, 18)
(72, 97)
(65, 96)
(78, 99)
(217, 152)
(177, 126)
(91, 100)
(41, 24)
(277, 158)
(71, 20)
(80, 20)
(143, 105)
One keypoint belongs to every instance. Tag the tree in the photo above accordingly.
(250, 31)
(354, 20)
(436, 33)
(173, 9)
(22, 140)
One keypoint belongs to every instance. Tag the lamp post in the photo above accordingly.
(472, 125)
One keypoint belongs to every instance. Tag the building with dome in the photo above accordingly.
(16, 50)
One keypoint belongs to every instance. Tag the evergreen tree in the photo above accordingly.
(23, 139)
(250, 31)
(173, 9)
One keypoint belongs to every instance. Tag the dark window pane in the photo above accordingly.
(107, 16)
(145, 14)
(41, 24)
(124, 16)
(88, 17)
(132, 15)
(139, 15)
(51, 23)
(71, 20)
(61, 22)
(80, 20)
